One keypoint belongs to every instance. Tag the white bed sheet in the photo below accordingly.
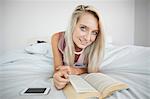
(20, 69)
(130, 64)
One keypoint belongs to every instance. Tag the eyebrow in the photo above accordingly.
(88, 27)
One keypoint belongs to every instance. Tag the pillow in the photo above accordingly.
(40, 48)
(44, 48)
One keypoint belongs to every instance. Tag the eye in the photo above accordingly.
(94, 32)
(83, 28)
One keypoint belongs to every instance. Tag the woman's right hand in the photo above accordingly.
(60, 79)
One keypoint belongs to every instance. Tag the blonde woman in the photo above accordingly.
(80, 48)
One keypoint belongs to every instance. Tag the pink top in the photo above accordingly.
(80, 61)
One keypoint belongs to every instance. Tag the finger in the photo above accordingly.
(60, 85)
(66, 75)
(57, 85)
(64, 70)
(60, 77)
(58, 67)
(67, 69)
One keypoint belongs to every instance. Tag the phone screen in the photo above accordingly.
(35, 90)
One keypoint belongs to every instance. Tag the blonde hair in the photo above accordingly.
(95, 51)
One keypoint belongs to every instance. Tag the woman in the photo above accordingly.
(80, 48)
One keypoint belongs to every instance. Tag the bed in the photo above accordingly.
(32, 66)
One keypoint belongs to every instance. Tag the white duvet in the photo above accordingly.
(33, 67)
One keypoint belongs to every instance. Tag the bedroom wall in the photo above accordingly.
(148, 23)
(141, 35)
(25, 19)
(1, 26)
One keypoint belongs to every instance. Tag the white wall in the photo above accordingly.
(141, 22)
(1, 27)
(118, 17)
(25, 19)
(148, 22)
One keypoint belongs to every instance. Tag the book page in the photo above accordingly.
(104, 84)
(80, 85)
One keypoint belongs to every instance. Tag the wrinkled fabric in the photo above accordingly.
(20, 69)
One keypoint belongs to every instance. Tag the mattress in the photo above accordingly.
(33, 67)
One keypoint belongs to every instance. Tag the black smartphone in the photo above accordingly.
(35, 91)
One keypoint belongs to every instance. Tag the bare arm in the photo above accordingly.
(58, 62)
(72, 70)
(81, 71)
(60, 75)
(56, 53)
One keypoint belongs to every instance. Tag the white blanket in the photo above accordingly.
(130, 64)
(21, 69)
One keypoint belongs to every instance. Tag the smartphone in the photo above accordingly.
(35, 91)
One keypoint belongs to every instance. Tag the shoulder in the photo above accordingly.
(56, 36)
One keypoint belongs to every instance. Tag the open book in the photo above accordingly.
(92, 85)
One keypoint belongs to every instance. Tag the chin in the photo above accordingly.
(82, 46)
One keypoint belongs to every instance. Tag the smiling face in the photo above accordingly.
(86, 31)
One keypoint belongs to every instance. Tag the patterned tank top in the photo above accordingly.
(79, 63)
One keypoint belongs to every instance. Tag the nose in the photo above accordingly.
(88, 37)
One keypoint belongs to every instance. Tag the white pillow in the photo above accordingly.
(40, 48)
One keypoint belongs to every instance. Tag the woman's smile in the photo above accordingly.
(85, 31)
(83, 42)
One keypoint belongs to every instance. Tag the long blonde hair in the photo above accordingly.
(95, 51)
